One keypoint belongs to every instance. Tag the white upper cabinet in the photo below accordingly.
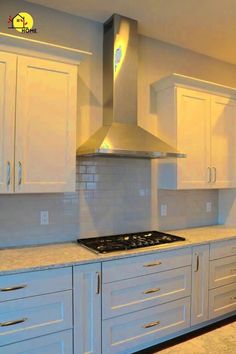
(43, 96)
(7, 120)
(199, 119)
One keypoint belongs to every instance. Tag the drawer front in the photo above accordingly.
(22, 285)
(36, 316)
(222, 300)
(143, 265)
(125, 333)
(58, 343)
(130, 295)
(223, 249)
(222, 271)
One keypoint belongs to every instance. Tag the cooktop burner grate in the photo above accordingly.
(128, 241)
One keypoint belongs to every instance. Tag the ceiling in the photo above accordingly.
(205, 26)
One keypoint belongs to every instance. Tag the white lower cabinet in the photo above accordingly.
(222, 300)
(124, 334)
(57, 343)
(87, 309)
(200, 275)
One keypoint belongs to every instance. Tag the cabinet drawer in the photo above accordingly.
(130, 295)
(222, 300)
(126, 333)
(22, 285)
(146, 264)
(58, 343)
(32, 317)
(223, 249)
(222, 271)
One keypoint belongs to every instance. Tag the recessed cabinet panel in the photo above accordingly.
(200, 275)
(58, 343)
(223, 135)
(193, 109)
(7, 120)
(45, 126)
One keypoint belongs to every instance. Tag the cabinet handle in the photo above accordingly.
(13, 288)
(20, 173)
(150, 291)
(151, 324)
(152, 264)
(98, 283)
(11, 323)
(214, 169)
(197, 262)
(233, 298)
(8, 173)
(233, 270)
(209, 175)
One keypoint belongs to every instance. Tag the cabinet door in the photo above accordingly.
(200, 275)
(223, 144)
(57, 343)
(87, 309)
(7, 120)
(45, 126)
(193, 124)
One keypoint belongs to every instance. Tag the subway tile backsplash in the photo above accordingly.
(113, 195)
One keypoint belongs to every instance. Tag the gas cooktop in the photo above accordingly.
(113, 243)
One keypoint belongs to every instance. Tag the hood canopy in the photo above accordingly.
(120, 134)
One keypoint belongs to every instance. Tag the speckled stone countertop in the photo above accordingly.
(17, 260)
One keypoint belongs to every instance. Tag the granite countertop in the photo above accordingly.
(22, 259)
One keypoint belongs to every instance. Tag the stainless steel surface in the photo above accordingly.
(8, 173)
(214, 169)
(14, 322)
(120, 134)
(98, 283)
(197, 262)
(151, 324)
(14, 288)
(19, 173)
(152, 264)
(209, 175)
(151, 291)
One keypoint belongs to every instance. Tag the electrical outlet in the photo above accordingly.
(44, 219)
(163, 210)
(208, 207)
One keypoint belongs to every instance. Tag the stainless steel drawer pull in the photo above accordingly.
(8, 173)
(151, 324)
(233, 298)
(209, 175)
(150, 291)
(152, 264)
(13, 288)
(214, 169)
(98, 283)
(197, 262)
(12, 323)
(20, 173)
(233, 270)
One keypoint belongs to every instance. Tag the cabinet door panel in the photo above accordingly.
(87, 309)
(223, 150)
(193, 110)
(7, 120)
(57, 343)
(45, 126)
(200, 271)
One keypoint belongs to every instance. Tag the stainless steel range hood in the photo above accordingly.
(120, 135)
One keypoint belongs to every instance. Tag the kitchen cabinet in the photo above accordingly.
(40, 122)
(222, 293)
(200, 276)
(145, 298)
(87, 309)
(36, 304)
(7, 120)
(197, 118)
